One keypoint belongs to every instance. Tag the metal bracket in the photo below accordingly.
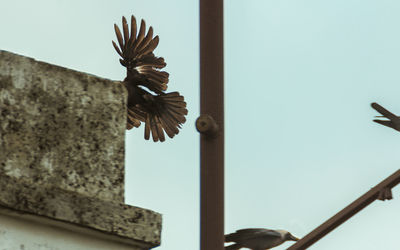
(385, 194)
(207, 126)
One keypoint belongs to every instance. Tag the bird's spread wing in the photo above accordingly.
(162, 112)
(137, 55)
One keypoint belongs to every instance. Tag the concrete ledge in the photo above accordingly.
(27, 231)
(130, 224)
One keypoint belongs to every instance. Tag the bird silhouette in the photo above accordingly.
(146, 84)
(394, 120)
(257, 238)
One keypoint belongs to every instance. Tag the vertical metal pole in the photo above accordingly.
(211, 125)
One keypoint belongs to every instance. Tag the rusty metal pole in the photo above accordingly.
(210, 124)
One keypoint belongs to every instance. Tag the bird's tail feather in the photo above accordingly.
(167, 115)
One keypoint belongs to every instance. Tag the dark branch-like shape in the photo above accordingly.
(393, 122)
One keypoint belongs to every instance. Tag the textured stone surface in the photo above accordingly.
(61, 127)
(62, 150)
(132, 223)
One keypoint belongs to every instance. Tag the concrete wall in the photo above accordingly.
(62, 142)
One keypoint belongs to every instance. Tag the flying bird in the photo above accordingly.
(146, 83)
(257, 238)
(394, 120)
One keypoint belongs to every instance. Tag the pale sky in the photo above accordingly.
(299, 79)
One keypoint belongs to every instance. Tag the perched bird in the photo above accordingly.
(257, 238)
(146, 84)
(394, 120)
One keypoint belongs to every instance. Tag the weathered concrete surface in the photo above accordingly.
(62, 151)
(62, 127)
(134, 224)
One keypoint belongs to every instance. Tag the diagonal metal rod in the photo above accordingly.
(381, 191)
(211, 125)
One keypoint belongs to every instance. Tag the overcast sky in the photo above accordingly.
(299, 80)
